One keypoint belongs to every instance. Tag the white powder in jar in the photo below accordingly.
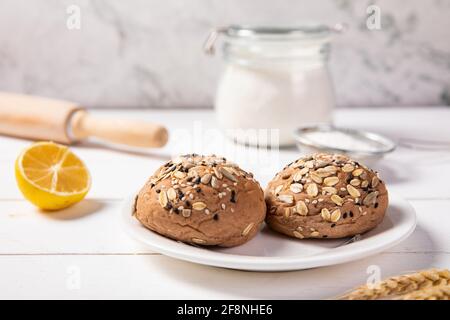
(282, 98)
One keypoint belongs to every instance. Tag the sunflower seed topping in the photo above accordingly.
(162, 198)
(226, 173)
(217, 173)
(171, 194)
(170, 169)
(301, 208)
(179, 174)
(214, 182)
(325, 213)
(297, 177)
(286, 198)
(322, 163)
(370, 199)
(329, 190)
(247, 229)
(315, 177)
(337, 199)
(198, 206)
(365, 184)
(355, 182)
(198, 241)
(315, 234)
(296, 187)
(357, 172)
(335, 216)
(298, 164)
(189, 165)
(298, 235)
(353, 191)
(304, 171)
(348, 168)
(278, 189)
(375, 182)
(287, 212)
(309, 164)
(206, 178)
(312, 190)
(331, 181)
(326, 171)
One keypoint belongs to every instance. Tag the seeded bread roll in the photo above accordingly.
(202, 200)
(325, 196)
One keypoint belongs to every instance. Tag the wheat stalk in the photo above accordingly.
(400, 285)
(431, 293)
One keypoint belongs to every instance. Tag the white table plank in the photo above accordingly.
(91, 227)
(159, 277)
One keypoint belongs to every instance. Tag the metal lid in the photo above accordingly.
(279, 34)
(352, 142)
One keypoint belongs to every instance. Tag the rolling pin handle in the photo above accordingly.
(130, 132)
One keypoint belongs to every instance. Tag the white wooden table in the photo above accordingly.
(82, 252)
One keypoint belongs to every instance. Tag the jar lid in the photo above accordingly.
(274, 34)
(355, 143)
(277, 33)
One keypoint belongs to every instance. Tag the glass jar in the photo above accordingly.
(274, 81)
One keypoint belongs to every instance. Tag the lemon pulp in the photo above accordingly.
(51, 177)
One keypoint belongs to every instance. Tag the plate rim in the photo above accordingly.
(257, 263)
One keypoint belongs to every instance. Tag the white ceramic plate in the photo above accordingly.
(270, 251)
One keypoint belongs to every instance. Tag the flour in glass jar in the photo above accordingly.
(283, 98)
(275, 80)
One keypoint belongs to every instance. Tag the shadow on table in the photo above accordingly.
(318, 283)
(139, 152)
(78, 211)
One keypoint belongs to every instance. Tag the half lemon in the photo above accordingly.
(51, 177)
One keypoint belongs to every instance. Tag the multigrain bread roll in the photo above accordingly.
(325, 196)
(202, 200)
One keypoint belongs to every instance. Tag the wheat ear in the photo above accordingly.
(400, 285)
(431, 293)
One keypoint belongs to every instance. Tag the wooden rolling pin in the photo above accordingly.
(66, 122)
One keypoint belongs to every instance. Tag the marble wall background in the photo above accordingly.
(147, 53)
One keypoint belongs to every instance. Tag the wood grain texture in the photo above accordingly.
(128, 132)
(160, 277)
(35, 118)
